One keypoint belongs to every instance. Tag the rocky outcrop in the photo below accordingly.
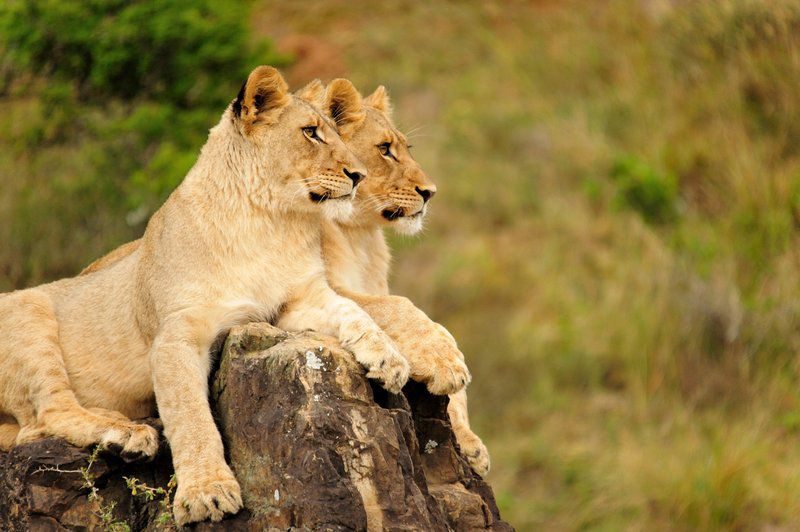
(314, 444)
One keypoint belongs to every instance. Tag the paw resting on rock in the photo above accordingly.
(383, 361)
(448, 375)
(392, 371)
(210, 498)
(436, 361)
(131, 441)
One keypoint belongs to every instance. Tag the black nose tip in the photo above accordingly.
(426, 193)
(355, 177)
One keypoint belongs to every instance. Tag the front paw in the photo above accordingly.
(383, 361)
(447, 374)
(392, 371)
(436, 361)
(207, 498)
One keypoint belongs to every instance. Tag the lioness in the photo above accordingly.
(238, 238)
(357, 257)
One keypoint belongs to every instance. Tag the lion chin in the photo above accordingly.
(338, 210)
(408, 225)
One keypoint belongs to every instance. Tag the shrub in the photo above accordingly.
(184, 52)
(650, 192)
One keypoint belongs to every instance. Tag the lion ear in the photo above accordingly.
(313, 93)
(344, 104)
(261, 97)
(380, 100)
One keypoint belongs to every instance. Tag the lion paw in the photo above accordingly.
(392, 372)
(383, 361)
(449, 376)
(473, 449)
(132, 442)
(207, 499)
(437, 362)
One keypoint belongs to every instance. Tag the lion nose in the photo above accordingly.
(426, 193)
(355, 177)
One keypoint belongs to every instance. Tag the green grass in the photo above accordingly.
(614, 242)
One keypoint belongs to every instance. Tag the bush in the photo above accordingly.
(653, 194)
(184, 52)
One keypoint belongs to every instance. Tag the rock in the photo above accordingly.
(43, 486)
(314, 444)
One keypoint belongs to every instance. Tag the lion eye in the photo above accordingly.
(385, 149)
(311, 132)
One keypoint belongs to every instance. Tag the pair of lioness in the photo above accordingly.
(240, 239)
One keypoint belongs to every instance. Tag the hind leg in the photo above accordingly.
(471, 445)
(119, 416)
(36, 388)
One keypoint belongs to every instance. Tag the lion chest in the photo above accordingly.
(271, 279)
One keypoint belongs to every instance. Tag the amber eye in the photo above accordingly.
(385, 149)
(311, 133)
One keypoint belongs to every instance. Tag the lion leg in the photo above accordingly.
(180, 360)
(430, 349)
(113, 414)
(471, 445)
(36, 387)
(318, 307)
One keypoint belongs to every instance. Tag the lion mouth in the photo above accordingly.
(325, 196)
(395, 214)
(392, 214)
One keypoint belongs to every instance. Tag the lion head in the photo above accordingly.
(397, 190)
(289, 154)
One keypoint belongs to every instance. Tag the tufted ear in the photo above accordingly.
(380, 100)
(313, 93)
(261, 97)
(344, 104)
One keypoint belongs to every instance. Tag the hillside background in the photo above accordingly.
(614, 242)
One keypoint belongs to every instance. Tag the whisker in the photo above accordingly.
(377, 202)
(416, 128)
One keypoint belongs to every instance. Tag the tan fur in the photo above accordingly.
(357, 258)
(113, 256)
(234, 242)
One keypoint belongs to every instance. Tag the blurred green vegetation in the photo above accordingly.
(614, 244)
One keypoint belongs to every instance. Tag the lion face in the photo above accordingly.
(309, 166)
(397, 190)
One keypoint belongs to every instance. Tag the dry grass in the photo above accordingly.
(614, 244)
